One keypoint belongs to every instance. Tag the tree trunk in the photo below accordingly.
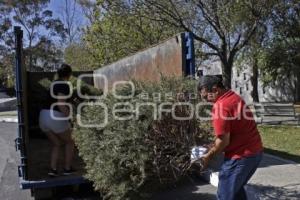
(254, 80)
(227, 71)
(297, 86)
(30, 55)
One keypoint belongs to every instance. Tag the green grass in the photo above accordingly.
(282, 141)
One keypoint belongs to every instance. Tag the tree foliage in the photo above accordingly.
(6, 45)
(5, 25)
(250, 57)
(222, 27)
(280, 63)
(46, 56)
(119, 30)
(7, 77)
(72, 20)
(79, 57)
(38, 23)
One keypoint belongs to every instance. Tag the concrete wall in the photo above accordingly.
(165, 59)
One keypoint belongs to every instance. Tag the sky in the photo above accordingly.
(58, 5)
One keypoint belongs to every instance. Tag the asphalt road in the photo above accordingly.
(9, 182)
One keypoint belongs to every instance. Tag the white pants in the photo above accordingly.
(48, 123)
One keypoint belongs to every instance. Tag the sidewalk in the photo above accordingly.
(9, 116)
(276, 178)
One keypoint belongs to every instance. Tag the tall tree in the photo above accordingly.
(281, 61)
(36, 20)
(79, 57)
(6, 47)
(223, 27)
(5, 25)
(254, 51)
(89, 8)
(119, 30)
(249, 57)
(7, 69)
(72, 20)
(46, 55)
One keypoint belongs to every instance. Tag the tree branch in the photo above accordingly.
(238, 45)
(181, 24)
(211, 54)
(216, 26)
(203, 40)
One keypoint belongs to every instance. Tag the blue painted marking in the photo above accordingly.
(190, 55)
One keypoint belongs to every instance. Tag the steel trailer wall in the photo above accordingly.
(174, 57)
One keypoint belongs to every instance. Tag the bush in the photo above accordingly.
(132, 159)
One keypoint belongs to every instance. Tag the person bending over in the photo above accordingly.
(54, 122)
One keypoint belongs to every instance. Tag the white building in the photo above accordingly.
(241, 84)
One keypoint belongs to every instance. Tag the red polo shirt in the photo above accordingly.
(231, 115)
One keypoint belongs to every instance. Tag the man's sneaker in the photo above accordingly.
(68, 172)
(53, 173)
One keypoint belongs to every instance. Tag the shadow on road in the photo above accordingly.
(269, 161)
(190, 189)
(262, 192)
(282, 154)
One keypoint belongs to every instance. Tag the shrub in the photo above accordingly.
(132, 159)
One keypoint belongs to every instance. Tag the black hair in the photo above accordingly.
(65, 70)
(220, 84)
(209, 81)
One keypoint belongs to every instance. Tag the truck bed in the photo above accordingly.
(172, 57)
(39, 151)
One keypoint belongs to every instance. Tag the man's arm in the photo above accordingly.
(220, 143)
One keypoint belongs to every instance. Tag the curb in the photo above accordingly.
(9, 120)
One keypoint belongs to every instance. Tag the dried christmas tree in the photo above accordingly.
(40, 91)
(133, 158)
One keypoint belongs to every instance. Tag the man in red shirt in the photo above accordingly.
(236, 135)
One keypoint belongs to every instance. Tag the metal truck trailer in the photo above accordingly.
(173, 57)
